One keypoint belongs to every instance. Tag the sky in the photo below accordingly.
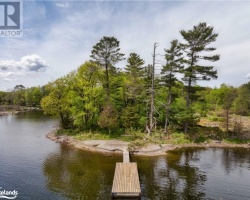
(58, 36)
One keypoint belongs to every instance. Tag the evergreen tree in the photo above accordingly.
(130, 116)
(173, 57)
(107, 53)
(135, 66)
(196, 42)
(134, 70)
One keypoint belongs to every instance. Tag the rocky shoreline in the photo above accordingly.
(117, 146)
(3, 113)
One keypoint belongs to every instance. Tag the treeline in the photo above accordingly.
(21, 96)
(100, 96)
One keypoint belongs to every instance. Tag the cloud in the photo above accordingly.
(62, 4)
(27, 63)
(248, 76)
(11, 69)
(7, 76)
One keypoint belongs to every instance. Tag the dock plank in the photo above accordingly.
(126, 156)
(126, 181)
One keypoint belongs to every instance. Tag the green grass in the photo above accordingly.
(178, 138)
(102, 135)
(216, 119)
(236, 141)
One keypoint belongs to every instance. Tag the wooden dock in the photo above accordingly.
(126, 182)
(126, 156)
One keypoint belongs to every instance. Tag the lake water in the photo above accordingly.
(38, 168)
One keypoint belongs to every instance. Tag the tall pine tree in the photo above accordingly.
(173, 57)
(135, 71)
(107, 53)
(196, 42)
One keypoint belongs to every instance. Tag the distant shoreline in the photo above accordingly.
(117, 146)
(12, 110)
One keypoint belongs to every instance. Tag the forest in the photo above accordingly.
(138, 102)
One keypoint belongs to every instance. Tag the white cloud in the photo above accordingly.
(248, 76)
(11, 69)
(62, 4)
(7, 76)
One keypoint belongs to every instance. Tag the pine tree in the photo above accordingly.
(196, 42)
(173, 57)
(135, 71)
(107, 53)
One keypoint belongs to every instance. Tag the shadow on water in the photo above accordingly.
(78, 174)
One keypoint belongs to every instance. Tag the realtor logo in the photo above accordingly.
(6, 194)
(10, 19)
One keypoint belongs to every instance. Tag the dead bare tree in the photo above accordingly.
(152, 94)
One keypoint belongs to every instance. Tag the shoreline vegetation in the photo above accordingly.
(145, 148)
(14, 109)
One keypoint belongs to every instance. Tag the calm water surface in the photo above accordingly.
(41, 169)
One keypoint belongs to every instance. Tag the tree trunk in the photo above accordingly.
(187, 103)
(227, 120)
(167, 112)
(62, 121)
(107, 78)
(151, 114)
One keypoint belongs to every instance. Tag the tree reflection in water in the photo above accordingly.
(172, 176)
(192, 173)
(182, 174)
(78, 174)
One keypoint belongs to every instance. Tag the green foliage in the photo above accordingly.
(57, 102)
(173, 65)
(108, 117)
(19, 95)
(178, 138)
(98, 98)
(241, 104)
(130, 116)
(236, 141)
(216, 118)
(107, 53)
(33, 96)
(196, 42)
(86, 95)
(180, 114)
(134, 78)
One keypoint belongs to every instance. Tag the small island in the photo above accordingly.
(104, 108)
